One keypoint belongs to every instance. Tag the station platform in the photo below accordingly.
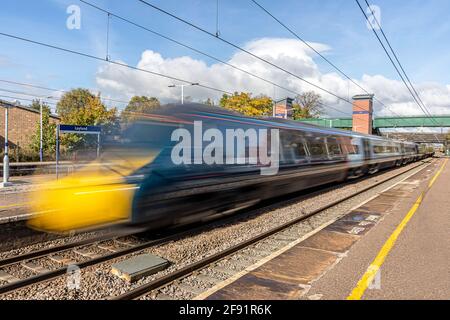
(394, 246)
(15, 199)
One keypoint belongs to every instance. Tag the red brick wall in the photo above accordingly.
(362, 114)
(22, 125)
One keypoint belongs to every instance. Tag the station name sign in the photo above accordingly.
(65, 128)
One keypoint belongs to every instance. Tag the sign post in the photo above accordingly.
(67, 128)
(57, 150)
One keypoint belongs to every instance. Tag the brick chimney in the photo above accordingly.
(362, 113)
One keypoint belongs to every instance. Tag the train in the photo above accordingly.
(193, 163)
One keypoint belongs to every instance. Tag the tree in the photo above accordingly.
(245, 104)
(36, 105)
(93, 113)
(48, 135)
(139, 104)
(72, 101)
(307, 105)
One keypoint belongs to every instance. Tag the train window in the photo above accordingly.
(378, 149)
(334, 149)
(293, 147)
(300, 151)
(317, 147)
(299, 146)
(352, 149)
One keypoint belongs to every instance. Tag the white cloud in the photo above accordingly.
(290, 54)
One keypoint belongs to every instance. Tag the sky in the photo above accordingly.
(418, 31)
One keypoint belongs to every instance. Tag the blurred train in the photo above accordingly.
(138, 182)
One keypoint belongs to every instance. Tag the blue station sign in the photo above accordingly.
(66, 128)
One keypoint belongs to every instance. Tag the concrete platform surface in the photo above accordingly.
(330, 263)
(417, 265)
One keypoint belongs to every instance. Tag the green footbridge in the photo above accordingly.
(386, 122)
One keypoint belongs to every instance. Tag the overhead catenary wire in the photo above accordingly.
(295, 34)
(189, 47)
(396, 57)
(245, 51)
(390, 58)
(86, 55)
(395, 66)
(24, 99)
(27, 94)
(129, 21)
(113, 62)
(54, 90)
(119, 63)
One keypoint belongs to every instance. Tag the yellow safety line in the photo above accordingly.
(437, 174)
(375, 266)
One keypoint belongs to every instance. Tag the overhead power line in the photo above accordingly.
(319, 54)
(396, 57)
(86, 55)
(402, 77)
(187, 46)
(52, 89)
(24, 99)
(244, 50)
(27, 94)
(129, 21)
(392, 60)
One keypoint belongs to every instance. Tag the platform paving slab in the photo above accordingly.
(291, 274)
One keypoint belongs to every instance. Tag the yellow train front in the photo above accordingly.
(100, 193)
(97, 195)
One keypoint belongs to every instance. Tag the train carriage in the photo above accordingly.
(158, 175)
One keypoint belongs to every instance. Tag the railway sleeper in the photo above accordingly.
(34, 267)
(4, 276)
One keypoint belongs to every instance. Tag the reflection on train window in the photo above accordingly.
(334, 149)
(378, 149)
(352, 149)
(317, 148)
(300, 151)
(293, 150)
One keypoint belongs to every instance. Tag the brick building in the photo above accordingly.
(22, 125)
(362, 113)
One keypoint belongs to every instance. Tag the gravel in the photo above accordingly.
(98, 283)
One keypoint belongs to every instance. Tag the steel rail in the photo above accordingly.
(189, 269)
(177, 274)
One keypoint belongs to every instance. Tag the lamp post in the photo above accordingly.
(40, 133)
(41, 143)
(286, 112)
(182, 89)
(5, 182)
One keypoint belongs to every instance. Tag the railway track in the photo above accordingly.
(175, 279)
(89, 251)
